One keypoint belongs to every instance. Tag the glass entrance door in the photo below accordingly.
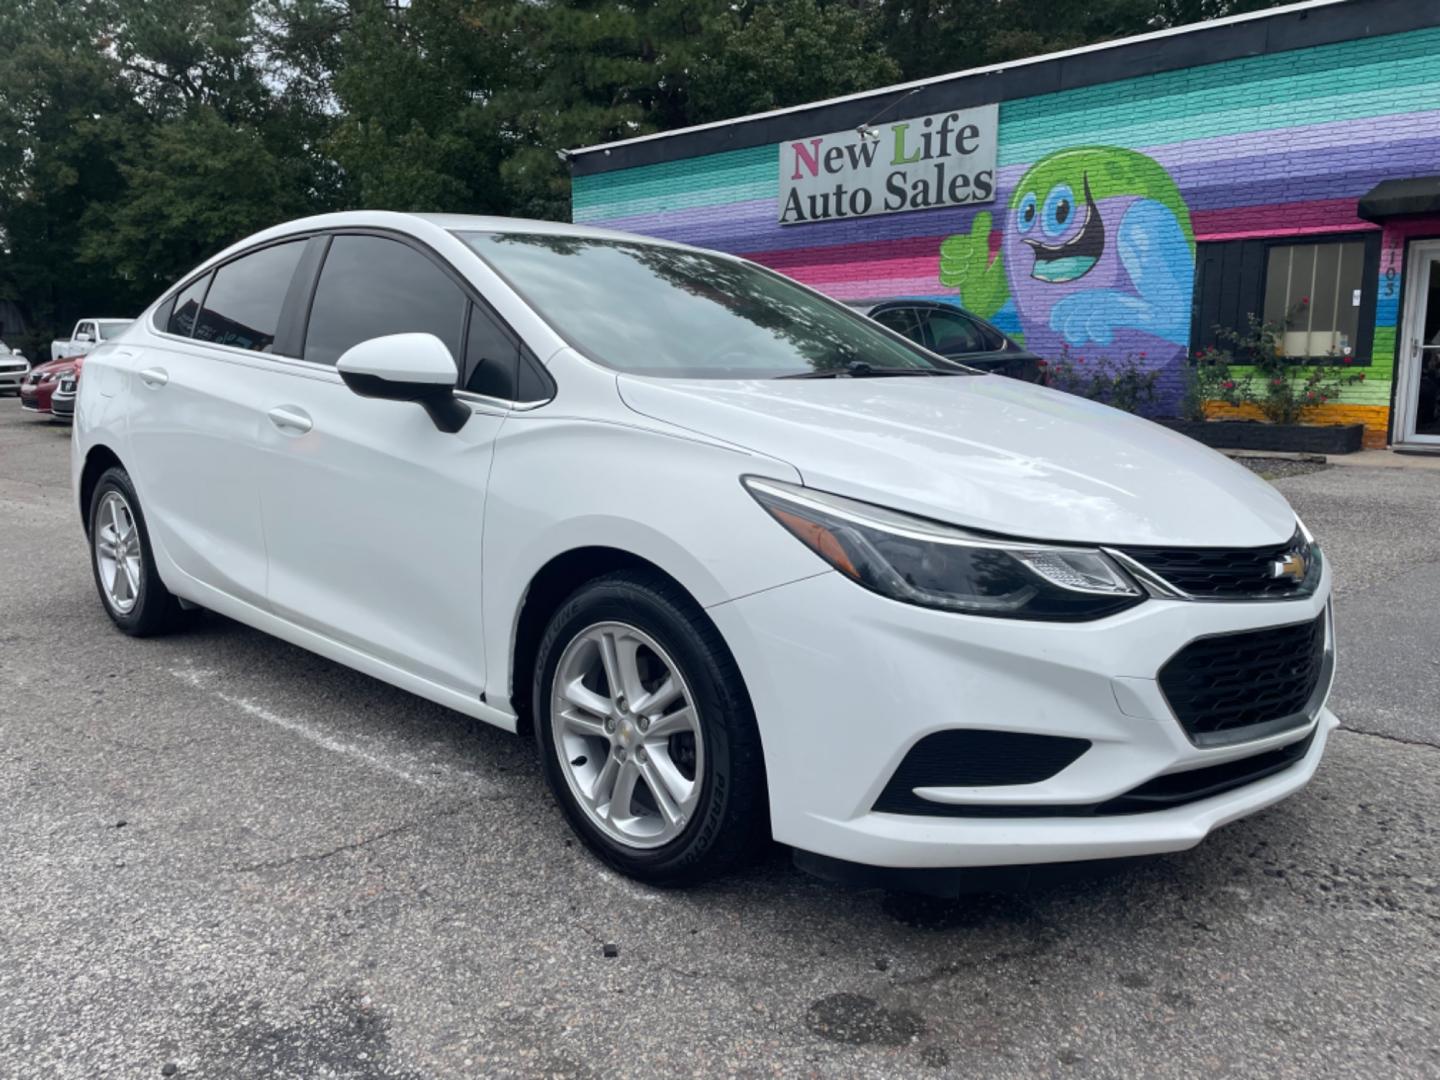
(1419, 390)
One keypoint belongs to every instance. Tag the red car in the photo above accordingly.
(40, 384)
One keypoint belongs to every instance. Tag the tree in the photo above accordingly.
(594, 71)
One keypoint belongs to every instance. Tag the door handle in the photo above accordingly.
(291, 419)
(154, 377)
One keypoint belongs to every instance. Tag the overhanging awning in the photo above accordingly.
(1401, 198)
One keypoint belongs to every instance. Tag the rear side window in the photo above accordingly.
(242, 308)
(951, 332)
(187, 308)
(371, 286)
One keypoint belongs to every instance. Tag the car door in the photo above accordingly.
(197, 400)
(372, 515)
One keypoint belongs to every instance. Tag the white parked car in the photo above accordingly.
(13, 369)
(88, 334)
(745, 562)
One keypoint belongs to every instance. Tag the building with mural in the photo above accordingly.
(1126, 200)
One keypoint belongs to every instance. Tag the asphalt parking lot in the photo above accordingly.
(221, 856)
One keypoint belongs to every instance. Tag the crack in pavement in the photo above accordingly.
(1390, 738)
(364, 841)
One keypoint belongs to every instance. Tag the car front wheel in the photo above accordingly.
(646, 732)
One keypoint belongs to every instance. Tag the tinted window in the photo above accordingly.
(951, 332)
(370, 287)
(492, 358)
(656, 310)
(110, 330)
(242, 308)
(901, 320)
(187, 306)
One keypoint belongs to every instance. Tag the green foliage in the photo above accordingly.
(1284, 388)
(1125, 384)
(1210, 378)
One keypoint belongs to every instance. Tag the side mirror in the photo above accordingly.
(82, 337)
(407, 367)
(17, 354)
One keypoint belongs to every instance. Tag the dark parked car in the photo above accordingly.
(955, 333)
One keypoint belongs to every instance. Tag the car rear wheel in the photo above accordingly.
(122, 561)
(646, 732)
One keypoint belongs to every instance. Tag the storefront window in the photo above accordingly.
(1313, 290)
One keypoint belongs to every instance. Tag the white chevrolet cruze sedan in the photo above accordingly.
(746, 563)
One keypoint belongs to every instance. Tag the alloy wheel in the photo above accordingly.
(627, 734)
(117, 551)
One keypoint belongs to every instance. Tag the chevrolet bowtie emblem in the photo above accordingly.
(1290, 565)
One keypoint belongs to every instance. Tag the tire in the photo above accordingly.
(151, 607)
(716, 748)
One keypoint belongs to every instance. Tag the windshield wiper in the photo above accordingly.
(858, 369)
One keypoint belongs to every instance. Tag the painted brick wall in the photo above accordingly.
(1275, 145)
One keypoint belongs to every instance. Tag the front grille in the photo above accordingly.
(975, 758)
(1229, 573)
(1223, 688)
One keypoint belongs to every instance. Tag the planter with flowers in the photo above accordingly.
(1248, 371)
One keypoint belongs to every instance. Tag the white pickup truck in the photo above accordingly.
(87, 334)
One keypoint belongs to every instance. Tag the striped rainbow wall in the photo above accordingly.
(1275, 145)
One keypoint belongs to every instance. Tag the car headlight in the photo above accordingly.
(931, 564)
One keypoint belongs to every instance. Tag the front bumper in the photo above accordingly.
(845, 682)
(36, 396)
(12, 380)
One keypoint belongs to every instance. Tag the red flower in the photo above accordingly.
(1079, 360)
(1044, 363)
(1229, 384)
(1346, 360)
(1142, 356)
(1304, 300)
(1361, 376)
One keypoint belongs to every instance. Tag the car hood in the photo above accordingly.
(60, 367)
(986, 452)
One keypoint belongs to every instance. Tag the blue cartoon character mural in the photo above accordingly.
(1096, 254)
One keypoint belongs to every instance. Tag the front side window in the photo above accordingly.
(1313, 291)
(648, 309)
(902, 321)
(370, 287)
(242, 308)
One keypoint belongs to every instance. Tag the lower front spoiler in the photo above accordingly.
(947, 856)
(955, 881)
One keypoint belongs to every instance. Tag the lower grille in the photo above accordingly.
(971, 758)
(1161, 793)
(1229, 687)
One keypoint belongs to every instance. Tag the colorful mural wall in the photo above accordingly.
(1145, 168)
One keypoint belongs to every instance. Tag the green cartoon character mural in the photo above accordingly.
(1097, 252)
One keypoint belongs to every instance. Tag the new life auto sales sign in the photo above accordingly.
(947, 159)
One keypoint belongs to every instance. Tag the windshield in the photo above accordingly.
(110, 330)
(651, 310)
